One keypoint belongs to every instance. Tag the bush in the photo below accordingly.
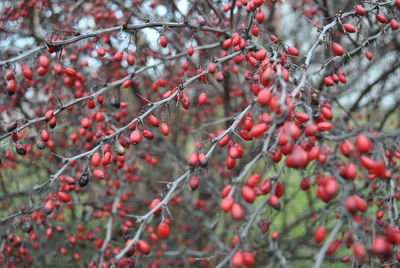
(244, 133)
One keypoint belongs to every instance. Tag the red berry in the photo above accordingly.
(230, 162)
(258, 130)
(135, 137)
(153, 204)
(147, 134)
(324, 126)
(293, 51)
(333, 247)
(359, 251)
(249, 259)
(302, 117)
(44, 61)
(274, 202)
(96, 159)
(260, 16)
(349, 28)
(190, 50)
(130, 59)
(380, 246)
(99, 174)
(237, 212)
(337, 49)
(193, 160)
(101, 52)
(227, 43)
(26, 72)
(347, 148)
(381, 18)
(248, 194)
(311, 130)
(45, 135)
(274, 39)
(194, 183)
(360, 10)
(163, 41)
(226, 190)
(253, 180)
(320, 234)
(86, 123)
(349, 171)
(298, 158)
(224, 140)
(203, 161)
(11, 87)
(237, 260)
(254, 30)
(10, 75)
(261, 54)
(258, 3)
(305, 184)
(394, 24)
(48, 207)
(328, 81)
(70, 72)
(153, 120)
(264, 97)
(164, 129)
(202, 99)
(91, 104)
(144, 247)
(331, 187)
(363, 143)
(52, 122)
(368, 55)
(42, 71)
(226, 204)
(212, 68)
(58, 69)
(64, 197)
(163, 230)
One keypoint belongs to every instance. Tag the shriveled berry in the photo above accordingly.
(83, 180)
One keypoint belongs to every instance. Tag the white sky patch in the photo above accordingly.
(94, 64)
(121, 41)
(57, 9)
(30, 93)
(86, 24)
(152, 35)
(24, 42)
(119, 14)
(128, 4)
(48, 13)
(161, 10)
(154, 72)
(183, 6)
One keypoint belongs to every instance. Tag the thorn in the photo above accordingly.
(143, 97)
(59, 156)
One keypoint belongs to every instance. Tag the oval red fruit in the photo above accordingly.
(144, 247)
(248, 194)
(264, 97)
(293, 51)
(163, 230)
(237, 212)
(135, 137)
(320, 234)
(337, 49)
(363, 143)
(163, 41)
